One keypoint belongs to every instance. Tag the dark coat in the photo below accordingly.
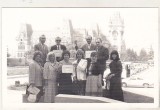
(95, 69)
(102, 57)
(85, 47)
(54, 47)
(116, 68)
(38, 47)
(115, 82)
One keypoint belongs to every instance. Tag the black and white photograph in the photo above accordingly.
(80, 55)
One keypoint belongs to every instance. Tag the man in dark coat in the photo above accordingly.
(58, 46)
(102, 56)
(42, 47)
(88, 47)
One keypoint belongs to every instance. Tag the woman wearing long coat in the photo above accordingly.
(50, 74)
(115, 77)
(36, 73)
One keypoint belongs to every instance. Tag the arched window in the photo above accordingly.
(21, 46)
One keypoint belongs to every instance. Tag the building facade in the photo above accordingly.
(23, 40)
(116, 31)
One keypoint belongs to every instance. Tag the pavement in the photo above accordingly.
(131, 95)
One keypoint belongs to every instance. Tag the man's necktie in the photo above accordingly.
(89, 47)
(97, 49)
(57, 47)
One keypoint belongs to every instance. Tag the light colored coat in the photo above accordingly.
(35, 74)
(50, 75)
(78, 71)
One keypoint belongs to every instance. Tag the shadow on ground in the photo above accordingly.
(130, 97)
(136, 98)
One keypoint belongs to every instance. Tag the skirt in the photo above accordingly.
(93, 86)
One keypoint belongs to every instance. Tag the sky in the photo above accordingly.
(141, 24)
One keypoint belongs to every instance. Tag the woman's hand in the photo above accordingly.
(32, 84)
(99, 84)
(110, 76)
(74, 78)
(74, 64)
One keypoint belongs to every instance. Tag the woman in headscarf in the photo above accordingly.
(65, 80)
(115, 66)
(79, 72)
(94, 78)
(50, 74)
(36, 73)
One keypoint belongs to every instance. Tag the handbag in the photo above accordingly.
(32, 98)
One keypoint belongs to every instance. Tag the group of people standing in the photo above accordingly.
(46, 71)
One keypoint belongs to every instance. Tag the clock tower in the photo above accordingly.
(116, 30)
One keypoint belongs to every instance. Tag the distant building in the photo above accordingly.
(24, 40)
(65, 31)
(27, 38)
(79, 36)
(116, 31)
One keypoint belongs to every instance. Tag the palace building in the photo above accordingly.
(27, 38)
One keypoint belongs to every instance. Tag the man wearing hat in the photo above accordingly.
(58, 46)
(42, 47)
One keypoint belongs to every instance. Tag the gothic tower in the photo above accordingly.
(24, 40)
(116, 30)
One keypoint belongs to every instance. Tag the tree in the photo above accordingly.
(130, 55)
(151, 54)
(143, 55)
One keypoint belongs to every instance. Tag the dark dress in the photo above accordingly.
(115, 90)
(65, 81)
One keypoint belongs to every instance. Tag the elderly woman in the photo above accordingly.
(36, 73)
(65, 81)
(50, 75)
(79, 72)
(94, 78)
(115, 77)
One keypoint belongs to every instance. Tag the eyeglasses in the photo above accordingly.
(58, 40)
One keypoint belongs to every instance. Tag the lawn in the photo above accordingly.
(19, 70)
